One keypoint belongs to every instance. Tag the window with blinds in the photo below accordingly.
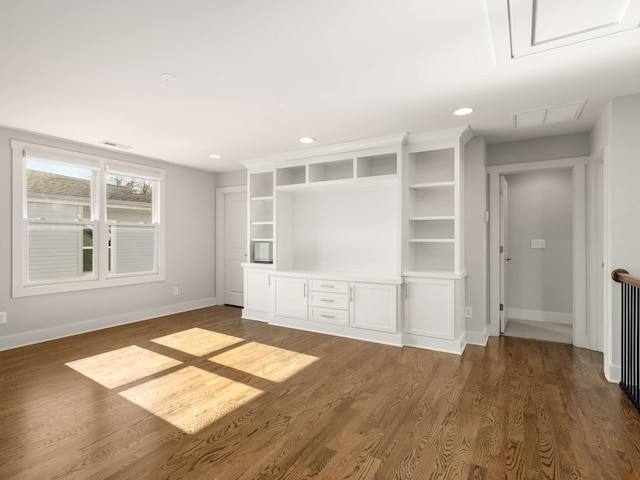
(83, 221)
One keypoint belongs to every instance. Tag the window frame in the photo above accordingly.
(101, 166)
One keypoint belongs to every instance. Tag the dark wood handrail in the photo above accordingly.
(622, 276)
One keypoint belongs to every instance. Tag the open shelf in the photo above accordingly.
(263, 199)
(418, 186)
(431, 240)
(434, 166)
(375, 165)
(261, 185)
(328, 171)
(431, 218)
(290, 175)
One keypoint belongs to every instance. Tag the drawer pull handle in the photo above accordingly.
(327, 300)
(328, 286)
(327, 316)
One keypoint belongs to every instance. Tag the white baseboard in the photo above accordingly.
(438, 344)
(613, 373)
(61, 331)
(477, 338)
(540, 316)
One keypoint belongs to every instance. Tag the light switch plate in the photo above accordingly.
(538, 243)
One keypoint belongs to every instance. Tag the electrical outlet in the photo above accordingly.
(468, 312)
(176, 291)
(3, 317)
(538, 243)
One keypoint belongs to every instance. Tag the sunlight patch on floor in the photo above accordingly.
(190, 398)
(265, 361)
(122, 366)
(197, 341)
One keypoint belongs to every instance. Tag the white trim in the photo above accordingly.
(613, 373)
(52, 333)
(455, 346)
(578, 168)
(220, 235)
(477, 338)
(539, 316)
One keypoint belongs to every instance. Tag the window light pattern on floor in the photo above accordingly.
(123, 366)
(197, 341)
(191, 397)
(266, 361)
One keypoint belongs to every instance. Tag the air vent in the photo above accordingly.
(548, 115)
(109, 143)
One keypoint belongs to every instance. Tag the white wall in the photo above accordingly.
(540, 281)
(475, 205)
(190, 240)
(537, 149)
(622, 216)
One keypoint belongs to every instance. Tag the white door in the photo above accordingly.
(235, 247)
(374, 306)
(504, 253)
(290, 297)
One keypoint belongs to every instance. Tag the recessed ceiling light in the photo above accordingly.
(215, 155)
(463, 111)
(307, 140)
(168, 77)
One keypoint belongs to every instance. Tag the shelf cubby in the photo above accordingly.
(291, 175)
(261, 209)
(375, 165)
(432, 202)
(327, 171)
(434, 255)
(433, 166)
(432, 230)
(261, 185)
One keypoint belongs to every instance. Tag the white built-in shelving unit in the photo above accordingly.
(368, 219)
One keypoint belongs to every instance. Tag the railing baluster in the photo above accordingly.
(630, 335)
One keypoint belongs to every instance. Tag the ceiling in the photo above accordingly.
(253, 76)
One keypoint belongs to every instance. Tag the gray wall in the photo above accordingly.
(537, 149)
(622, 225)
(231, 179)
(540, 207)
(190, 241)
(475, 196)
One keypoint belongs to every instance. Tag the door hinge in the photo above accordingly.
(501, 249)
(501, 307)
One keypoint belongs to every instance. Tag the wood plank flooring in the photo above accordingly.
(206, 395)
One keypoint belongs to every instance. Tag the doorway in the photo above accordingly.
(231, 244)
(577, 293)
(536, 230)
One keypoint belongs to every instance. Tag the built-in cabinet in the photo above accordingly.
(258, 294)
(290, 297)
(362, 239)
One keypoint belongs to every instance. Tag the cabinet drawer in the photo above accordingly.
(325, 315)
(329, 286)
(329, 300)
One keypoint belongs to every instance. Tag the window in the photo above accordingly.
(82, 221)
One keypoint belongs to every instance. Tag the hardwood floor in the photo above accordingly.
(206, 395)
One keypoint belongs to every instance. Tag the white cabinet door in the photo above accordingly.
(430, 307)
(290, 297)
(374, 306)
(257, 290)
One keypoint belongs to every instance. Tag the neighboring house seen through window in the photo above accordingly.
(83, 221)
